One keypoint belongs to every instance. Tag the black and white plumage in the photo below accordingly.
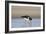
(27, 19)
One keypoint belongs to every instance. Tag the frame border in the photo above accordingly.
(7, 16)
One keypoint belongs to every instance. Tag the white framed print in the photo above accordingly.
(24, 16)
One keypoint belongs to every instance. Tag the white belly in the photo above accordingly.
(26, 19)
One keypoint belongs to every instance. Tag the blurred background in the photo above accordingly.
(33, 12)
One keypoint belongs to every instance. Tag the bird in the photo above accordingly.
(27, 19)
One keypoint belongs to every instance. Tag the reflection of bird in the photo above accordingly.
(27, 19)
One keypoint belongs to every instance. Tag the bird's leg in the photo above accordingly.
(26, 22)
(29, 23)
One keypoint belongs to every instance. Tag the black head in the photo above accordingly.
(30, 18)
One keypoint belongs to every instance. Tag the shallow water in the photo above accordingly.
(20, 23)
